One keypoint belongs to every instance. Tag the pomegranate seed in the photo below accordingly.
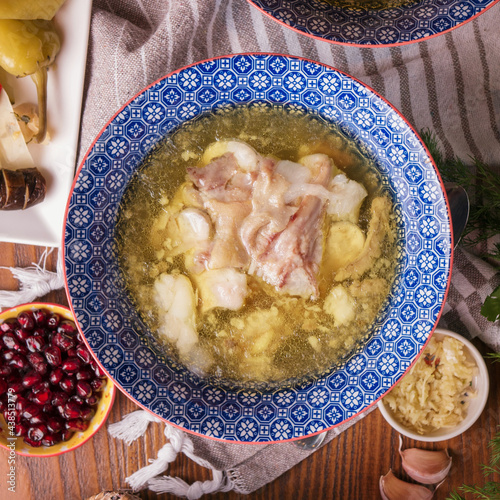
(35, 343)
(98, 384)
(20, 429)
(63, 341)
(4, 386)
(84, 374)
(72, 353)
(8, 355)
(39, 419)
(48, 409)
(22, 334)
(79, 337)
(18, 361)
(31, 378)
(37, 361)
(8, 325)
(67, 327)
(87, 413)
(26, 320)
(83, 353)
(15, 384)
(21, 404)
(55, 424)
(53, 321)
(99, 372)
(83, 389)
(31, 410)
(59, 398)
(51, 439)
(5, 370)
(77, 424)
(61, 411)
(34, 444)
(92, 400)
(66, 435)
(56, 375)
(53, 355)
(67, 384)
(72, 410)
(40, 387)
(37, 432)
(71, 365)
(42, 397)
(40, 317)
(77, 399)
(10, 341)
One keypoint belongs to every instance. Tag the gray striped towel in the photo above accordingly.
(449, 84)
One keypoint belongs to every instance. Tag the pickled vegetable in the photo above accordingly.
(29, 9)
(21, 189)
(28, 48)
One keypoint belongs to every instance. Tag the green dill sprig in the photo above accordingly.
(491, 489)
(482, 184)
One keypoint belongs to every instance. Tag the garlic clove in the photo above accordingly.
(425, 466)
(392, 488)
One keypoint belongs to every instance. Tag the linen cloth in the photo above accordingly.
(449, 84)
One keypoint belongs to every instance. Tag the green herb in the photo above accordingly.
(491, 306)
(482, 184)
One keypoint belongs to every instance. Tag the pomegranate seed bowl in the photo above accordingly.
(53, 394)
(134, 351)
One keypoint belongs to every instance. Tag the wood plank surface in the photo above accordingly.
(349, 467)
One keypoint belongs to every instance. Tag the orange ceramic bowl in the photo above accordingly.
(16, 445)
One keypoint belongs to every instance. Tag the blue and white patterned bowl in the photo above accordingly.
(120, 340)
(369, 27)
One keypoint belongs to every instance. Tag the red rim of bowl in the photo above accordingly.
(112, 389)
(82, 163)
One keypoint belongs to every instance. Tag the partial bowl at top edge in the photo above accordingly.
(394, 23)
(108, 318)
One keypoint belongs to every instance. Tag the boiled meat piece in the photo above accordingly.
(174, 299)
(225, 288)
(270, 214)
(227, 249)
(289, 258)
(222, 180)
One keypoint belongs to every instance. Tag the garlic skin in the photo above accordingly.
(425, 466)
(392, 488)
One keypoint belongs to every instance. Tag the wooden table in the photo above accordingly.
(348, 467)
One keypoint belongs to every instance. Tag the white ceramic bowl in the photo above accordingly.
(480, 383)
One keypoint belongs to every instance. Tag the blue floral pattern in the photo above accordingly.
(120, 340)
(373, 27)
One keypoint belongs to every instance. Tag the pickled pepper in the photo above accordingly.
(28, 48)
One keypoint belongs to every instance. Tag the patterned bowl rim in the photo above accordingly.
(369, 45)
(112, 388)
(230, 56)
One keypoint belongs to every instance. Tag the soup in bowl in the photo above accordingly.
(257, 247)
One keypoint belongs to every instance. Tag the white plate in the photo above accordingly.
(43, 223)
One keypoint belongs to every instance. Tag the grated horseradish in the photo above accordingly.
(437, 390)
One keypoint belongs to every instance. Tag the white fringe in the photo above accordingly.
(135, 425)
(34, 282)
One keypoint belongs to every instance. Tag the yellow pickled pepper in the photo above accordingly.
(28, 48)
